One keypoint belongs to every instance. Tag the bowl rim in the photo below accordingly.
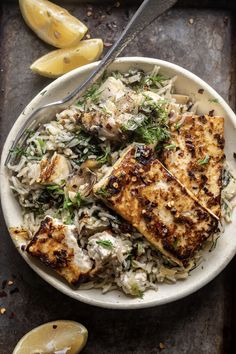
(69, 291)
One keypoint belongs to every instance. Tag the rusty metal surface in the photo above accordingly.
(203, 322)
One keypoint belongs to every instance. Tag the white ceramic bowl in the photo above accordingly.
(214, 262)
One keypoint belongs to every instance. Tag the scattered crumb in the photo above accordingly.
(4, 283)
(190, 21)
(162, 346)
(89, 13)
(211, 113)
(201, 91)
(226, 20)
(3, 294)
(88, 36)
(57, 34)
(106, 44)
(12, 315)
(117, 4)
(13, 291)
(10, 282)
(66, 60)
(2, 310)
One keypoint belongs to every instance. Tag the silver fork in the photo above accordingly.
(148, 11)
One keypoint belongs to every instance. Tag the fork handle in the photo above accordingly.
(148, 11)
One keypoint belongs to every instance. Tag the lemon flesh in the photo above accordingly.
(61, 61)
(67, 337)
(52, 23)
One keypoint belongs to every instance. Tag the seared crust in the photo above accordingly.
(50, 246)
(198, 138)
(146, 194)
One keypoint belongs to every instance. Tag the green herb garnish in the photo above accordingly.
(213, 100)
(136, 290)
(170, 147)
(105, 243)
(106, 156)
(175, 243)
(42, 145)
(18, 151)
(56, 189)
(204, 161)
(103, 193)
(177, 125)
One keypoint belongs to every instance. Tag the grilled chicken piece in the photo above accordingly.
(195, 155)
(54, 171)
(56, 246)
(146, 194)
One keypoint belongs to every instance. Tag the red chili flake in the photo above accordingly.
(211, 113)
(226, 20)
(3, 294)
(201, 91)
(15, 290)
(109, 26)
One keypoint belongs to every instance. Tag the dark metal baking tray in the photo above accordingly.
(198, 35)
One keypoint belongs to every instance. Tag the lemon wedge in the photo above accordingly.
(52, 23)
(64, 337)
(60, 61)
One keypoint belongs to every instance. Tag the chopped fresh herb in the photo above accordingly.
(78, 199)
(29, 132)
(42, 144)
(177, 125)
(67, 204)
(56, 189)
(106, 156)
(103, 193)
(18, 151)
(140, 249)
(92, 93)
(213, 100)
(214, 243)
(204, 161)
(153, 134)
(155, 80)
(105, 243)
(136, 290)
(86, 145)
(175, 243)
(69, 219)
(170, 147)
